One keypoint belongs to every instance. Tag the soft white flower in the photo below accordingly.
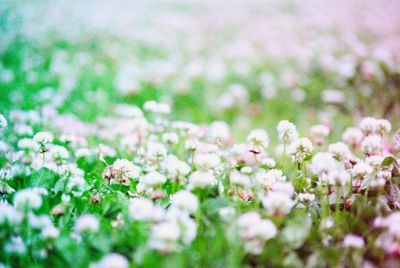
(277, 203)
(50, 232)
(361, 170)
(207, 161)
(153, 179)
(87, 223)
(201, 179)
(319, 130)
(157, 108)
(126, 168)
(9, 214)
(143, 209)
(15, 245)
(219, 130)
(255, 231)
(353, 241)
(258, 137)
(287, 131)
(372, 144)
(375, 161)
(340, 150)
(268, 162)
(352, 136)
(268, 178)
(306, 197)
(112, 260)
(3, 122)
(300, 149)
(192, 144)
(322, 163)
(43, 137)
(82, 152)
(175, 167)
(240, 179)
(369, 125)
(171, 138)
(27, 199)
(185, 201)
(164, 237)
(383, 126)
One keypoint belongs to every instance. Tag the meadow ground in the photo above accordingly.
(199, 133)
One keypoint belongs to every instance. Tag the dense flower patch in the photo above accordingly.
(136, 183)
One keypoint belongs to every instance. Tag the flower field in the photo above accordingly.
(200, 133)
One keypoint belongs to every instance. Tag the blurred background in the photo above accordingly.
(248, 62)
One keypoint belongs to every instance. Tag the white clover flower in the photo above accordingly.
(3, 122)
(369, 125)
(255, 231)
(155, 150)
(306, 197)
(277, 203)
(143, 209)
(23, 130)
(240, 179)
(352, 136)
(27, 144)
(287, 131)
(332, 96)
(392, 223)
(361, 170)
(258, 137)
(87, 223)
(300, 149)
(175, 167)
(319, 130)
(125, 168)
(76, 183)
(207, 161)
(372, 144)
(246, 170)
(219, 130)
(337, 176)
(227, 213)
(127, 110)
(375, 161)
(9, 214)
(59, 153)
(284, 187)
(323, 163)
(27, 199)
(164, 237)
(192, 144)
(185, 201)
(15, 245)
(187, 226)
(268, 162)
(50, 232)
(43, 137)
(270, 177)
(201, 179)
(171, 138)
(112, 260)
(339, 150)
(39, 222)
(157, 108)
(353, 241)
(106, 150)
(83, 152)
(383, 126)
(153, 179)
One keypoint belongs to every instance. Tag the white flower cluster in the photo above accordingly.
(255, 231)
